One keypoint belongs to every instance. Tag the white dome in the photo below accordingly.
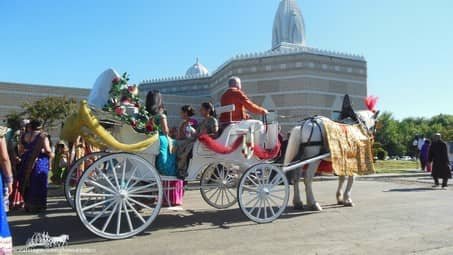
(289, 27)
(197, 70)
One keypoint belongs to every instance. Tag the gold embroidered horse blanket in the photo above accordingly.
(350, 149)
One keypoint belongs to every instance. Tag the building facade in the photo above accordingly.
(293, 79)
(14, 95)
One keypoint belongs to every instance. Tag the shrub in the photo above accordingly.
(381, 154)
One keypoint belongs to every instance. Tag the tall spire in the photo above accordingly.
(289, 27)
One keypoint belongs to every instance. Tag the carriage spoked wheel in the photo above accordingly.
(218, 185)
(119, 196)
(263, 193)
(74, 174)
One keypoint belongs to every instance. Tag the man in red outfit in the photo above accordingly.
(234, 95)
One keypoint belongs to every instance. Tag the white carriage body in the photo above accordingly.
(202, 156)
(128, 187)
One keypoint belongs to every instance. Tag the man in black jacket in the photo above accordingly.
(438, 156)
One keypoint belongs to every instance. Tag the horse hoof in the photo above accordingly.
(316, 207)
(348, 204)
(298, 206)
(340, 202)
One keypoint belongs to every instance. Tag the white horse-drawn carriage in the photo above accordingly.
(121, 192)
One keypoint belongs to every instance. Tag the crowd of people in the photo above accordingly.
(27, 158)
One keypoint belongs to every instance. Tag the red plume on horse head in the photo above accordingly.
(370, 102)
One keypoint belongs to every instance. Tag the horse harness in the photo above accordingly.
(309, 142)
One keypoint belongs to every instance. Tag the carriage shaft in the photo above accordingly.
(299, 164)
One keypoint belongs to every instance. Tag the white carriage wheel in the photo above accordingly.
(119, 196)
(218, 185)
(263, 193)
(71, 179)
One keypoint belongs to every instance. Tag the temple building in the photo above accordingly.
(291, 78)
(14, 95)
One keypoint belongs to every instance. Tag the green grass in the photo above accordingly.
(396, 166)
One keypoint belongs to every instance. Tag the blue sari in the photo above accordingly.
(6, 242)
(35, 186)
(165, 161)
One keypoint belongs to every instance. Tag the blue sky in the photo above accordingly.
(408, 43)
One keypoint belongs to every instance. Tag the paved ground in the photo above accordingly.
(392, 216)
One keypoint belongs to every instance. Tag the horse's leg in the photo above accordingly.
(347, 192)
(340, 198)
(297, 202)
(308, 180)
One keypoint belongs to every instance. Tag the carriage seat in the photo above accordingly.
(232, 132)
(126, 134)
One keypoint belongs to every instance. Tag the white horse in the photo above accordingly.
(311, 135)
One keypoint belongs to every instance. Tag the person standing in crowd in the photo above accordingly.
(6, 178)
(424, 156)
(420, 143)
(60, 162)
(16, 200)
(34, 168)
(438, 156)
(234, 95)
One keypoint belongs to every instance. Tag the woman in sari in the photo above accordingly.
(186, 133)
(188, 124)
(6, 178)
(16, 199)
(166, 160)
(209, 125)
(34, 168)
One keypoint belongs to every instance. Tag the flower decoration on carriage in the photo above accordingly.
(125, 103)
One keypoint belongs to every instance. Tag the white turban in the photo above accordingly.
(235, 82)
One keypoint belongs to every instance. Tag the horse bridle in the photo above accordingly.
(371, 131)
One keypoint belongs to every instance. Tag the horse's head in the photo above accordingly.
(368, 118)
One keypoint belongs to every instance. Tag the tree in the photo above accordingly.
(50, 110)
(13, 120)
(396, 137)
(388, 134)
